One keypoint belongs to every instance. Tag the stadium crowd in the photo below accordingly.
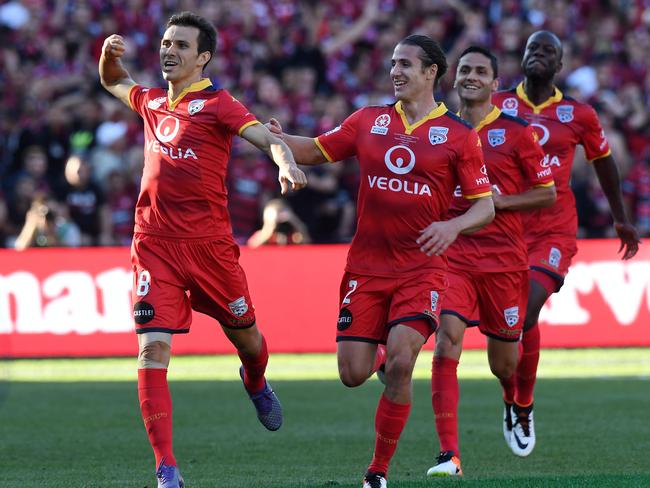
(71, 155)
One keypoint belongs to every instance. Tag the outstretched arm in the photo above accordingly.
(438, 236)
(279, 152)
(112, 73)
(607, 173)
(304, 149)
(539, 197)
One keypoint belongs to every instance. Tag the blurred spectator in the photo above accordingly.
(636, 189)
(86, 203)
(47, 226)
(122, 197)
(307, 63)
(281, 227)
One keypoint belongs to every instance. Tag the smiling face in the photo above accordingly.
(410, 79)
(543, 56)
(475, 79)
(179, 56)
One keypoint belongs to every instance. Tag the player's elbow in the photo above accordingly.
(549, 196)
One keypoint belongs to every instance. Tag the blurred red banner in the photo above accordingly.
(77, 302)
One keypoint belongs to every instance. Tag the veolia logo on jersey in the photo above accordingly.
(397, 154)
(167, 129)
(543, 132)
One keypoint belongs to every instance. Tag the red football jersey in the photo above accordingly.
(561, 123)
(408, 176)
(514, 160)
(187, 145)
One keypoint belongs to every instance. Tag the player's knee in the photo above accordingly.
(351, 376)
(154, 355)
(503, 368)
(446, 343)
(399, 368)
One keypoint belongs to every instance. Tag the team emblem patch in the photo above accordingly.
(511, 315)
(156, 103)
(510, 106)
(381, 125)
(434, 301)
(554, 257)
(195, 106)
(438, 135)
(239, 307)
(496, 137)
(564, 113)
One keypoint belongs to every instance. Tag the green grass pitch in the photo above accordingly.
(75, 423)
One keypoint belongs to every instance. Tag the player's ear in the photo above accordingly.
(495, 84)
(203, 58)
(433, 71)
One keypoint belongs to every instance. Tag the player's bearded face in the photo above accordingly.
(542, 58)
(475, 77)
(407, 75)
(179, 53)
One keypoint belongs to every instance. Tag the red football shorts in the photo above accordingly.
(496, 302)
(172, 277)
(552, 256)
(371, 305)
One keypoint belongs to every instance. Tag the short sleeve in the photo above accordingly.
(470, 169)
(531, 158)
(233, 115)
(138, 96)
(341, 142)
(593, 136)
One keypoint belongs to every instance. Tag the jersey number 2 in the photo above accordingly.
(353, 286)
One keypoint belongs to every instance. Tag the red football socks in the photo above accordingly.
(254, 368)
(527, 368)
(508, 386)
(156, 408)
(444, 397)
(389, 423)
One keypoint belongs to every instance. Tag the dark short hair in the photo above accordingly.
(485, 52)
(207, 40)
(431, 53)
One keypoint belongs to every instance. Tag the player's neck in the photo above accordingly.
(176, 88)
(415, 110)
(475, 112)
(538, 91)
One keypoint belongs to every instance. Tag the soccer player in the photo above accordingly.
(488, 278)
(412, 155)
(183, 253)
(561, 123)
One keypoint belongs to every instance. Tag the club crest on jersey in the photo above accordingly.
(381, 125)
(156, 103)
(511, 315)
(434, 301)
(564, 113)
(496, 137)
(239, 307)
(510, 106)
(438, 135)
(195, 106)
(554, 257)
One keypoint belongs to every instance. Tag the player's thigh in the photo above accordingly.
(159, 300)
(154, 350)
(218, 284)
(355, 361)
(416, 302)
(363, 314)
(402, 349)
(502, 304)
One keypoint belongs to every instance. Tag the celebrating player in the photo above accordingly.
(561, 123)
(488, 279)
(183, 253)
(412, 154)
